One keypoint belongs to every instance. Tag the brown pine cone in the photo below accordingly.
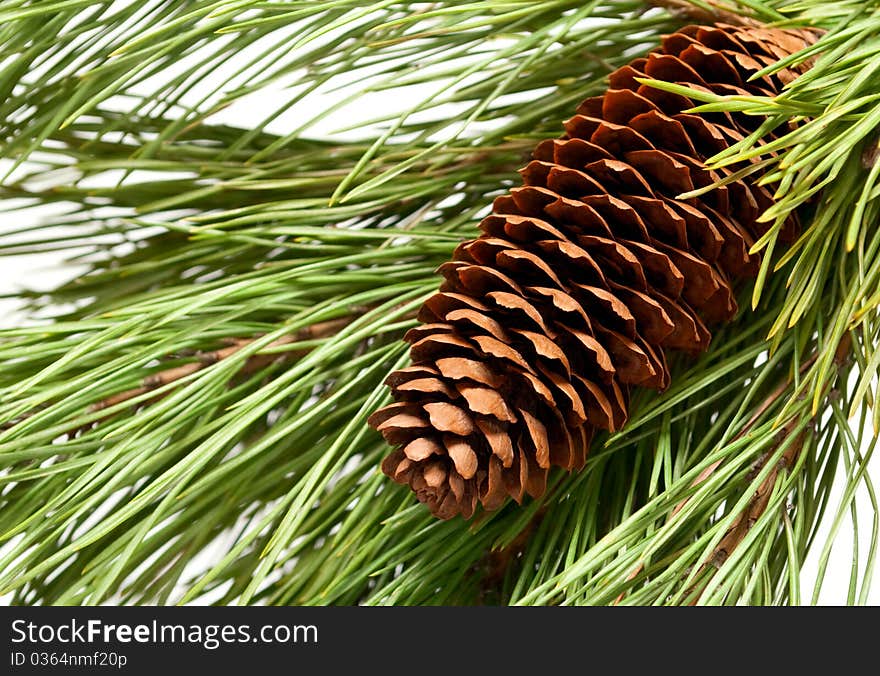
(583, 277)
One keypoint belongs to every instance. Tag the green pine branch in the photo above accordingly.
(174, 427)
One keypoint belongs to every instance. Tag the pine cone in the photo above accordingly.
(583, 278)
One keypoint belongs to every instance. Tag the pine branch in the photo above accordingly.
(264, 231)
(758, 504)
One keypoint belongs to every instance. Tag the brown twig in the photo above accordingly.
(205, 359)
(771, 399)
(871, 153)
(234, 345)
(754, 510)
(758, 504)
